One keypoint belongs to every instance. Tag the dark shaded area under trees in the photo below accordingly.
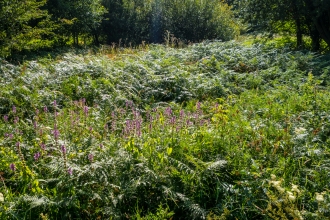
(304, 17)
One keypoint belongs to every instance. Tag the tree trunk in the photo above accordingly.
(74, 35)
(77, 39)
(297, 19)
(95, 37)
(315, 36)
(323, 27)
(321, 20)
(299, 33)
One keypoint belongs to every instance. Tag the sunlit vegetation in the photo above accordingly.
(211, 131)
(164, 109)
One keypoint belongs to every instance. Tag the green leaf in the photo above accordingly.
(169, 151)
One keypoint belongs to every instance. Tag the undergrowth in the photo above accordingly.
(212, 131)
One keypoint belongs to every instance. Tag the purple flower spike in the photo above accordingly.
(168, 111)
(56, 134)
(129, 104)
(70, 171)
(14, 109)
(86, 110)
(37, 156)
(45, 109)
(43, 146)
(198, 105)
(18, 144)
(37, 111)
(63, 149)
(181, 113)
(54, 103)
(90, 157)
(173, 120)
(12, 167)
(5, 118)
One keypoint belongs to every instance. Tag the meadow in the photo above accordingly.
(215, 130)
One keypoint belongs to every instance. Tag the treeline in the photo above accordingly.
(31, 25)
(38, 24)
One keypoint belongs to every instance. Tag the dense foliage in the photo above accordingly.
(192, 20)
(213, 131)
(303, 17)
(23, 26)
(41, 24)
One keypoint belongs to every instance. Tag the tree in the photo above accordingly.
(319, 14)
(78, 17)
(127, 20)
(23, 26)
(311, 17)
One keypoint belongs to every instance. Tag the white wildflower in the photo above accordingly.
(295, 189)
(298, 214)
(272, 176)
(275, 183)
(300, 130)
(280, 189)
(292, 198)
(319, 197)
(2, 199)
